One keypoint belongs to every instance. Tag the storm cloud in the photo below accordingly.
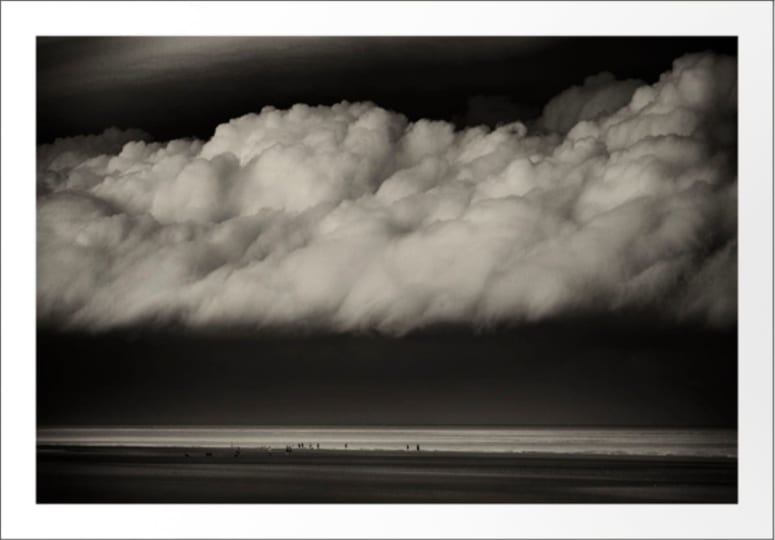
(350, 217)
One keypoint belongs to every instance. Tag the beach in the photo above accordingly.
(207, 474)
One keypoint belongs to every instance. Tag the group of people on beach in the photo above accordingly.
(317, 447)
(289, 449)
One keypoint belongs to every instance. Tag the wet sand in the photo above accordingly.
(71, 474)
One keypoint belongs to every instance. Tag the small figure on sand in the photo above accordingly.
(288, 449)
(345, 446)
(418, 447)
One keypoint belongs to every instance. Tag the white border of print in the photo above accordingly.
(22, 21)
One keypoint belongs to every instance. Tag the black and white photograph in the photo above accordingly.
(429, 269)
(386, 269)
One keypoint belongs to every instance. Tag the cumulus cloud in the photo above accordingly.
(350, 217)
(600, 94)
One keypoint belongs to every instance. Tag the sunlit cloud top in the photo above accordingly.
(350, 217)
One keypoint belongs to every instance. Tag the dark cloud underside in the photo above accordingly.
(588, 372)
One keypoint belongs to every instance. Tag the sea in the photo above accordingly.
(686, 442)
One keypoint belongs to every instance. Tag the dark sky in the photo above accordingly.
(602, 370)
(613, 370)
(178, 87)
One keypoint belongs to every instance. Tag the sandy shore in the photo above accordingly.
(70, 474)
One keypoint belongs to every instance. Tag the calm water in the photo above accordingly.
(623, 441)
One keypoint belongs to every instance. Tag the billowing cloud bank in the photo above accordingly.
(349, 217)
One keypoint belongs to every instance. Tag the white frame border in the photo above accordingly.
(22, 21)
